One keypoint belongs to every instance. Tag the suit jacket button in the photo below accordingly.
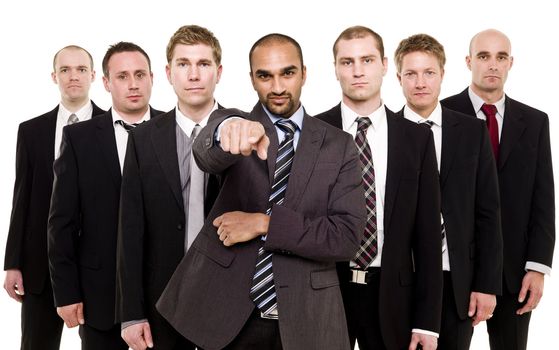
(179, 227)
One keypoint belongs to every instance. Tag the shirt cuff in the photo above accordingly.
(534, 266)
(131, 323)
(217, 135)
(423, 331)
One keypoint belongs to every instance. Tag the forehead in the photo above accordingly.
(128, 61)
(490, 42)
(275, 56)
(193, 52)
(358, 47)
(420, 60)
(72, 57)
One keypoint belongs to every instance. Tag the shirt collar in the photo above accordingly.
(477, 102)
(436, 116)
(297, 117)
(349, 116)
(117, 116)
(82, 113)
(187, 124)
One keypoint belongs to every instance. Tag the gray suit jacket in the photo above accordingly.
(321, 221)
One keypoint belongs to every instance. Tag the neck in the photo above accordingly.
(424, 113)
(363, 108)
(132, 117)
(74, 105)
(196, 113)
(488, 96)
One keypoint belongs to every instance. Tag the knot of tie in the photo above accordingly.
(426, 124)
(127, 126)
(363, 124)
(72, 119)
(195, 131)
(489, 110)
(287, 126)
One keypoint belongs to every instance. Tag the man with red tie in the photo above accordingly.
(520, 140)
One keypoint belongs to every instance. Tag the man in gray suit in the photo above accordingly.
(262, 274)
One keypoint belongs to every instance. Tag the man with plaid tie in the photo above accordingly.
(392, 287)
(262, 273)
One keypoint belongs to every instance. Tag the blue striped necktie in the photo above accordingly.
(263, 291)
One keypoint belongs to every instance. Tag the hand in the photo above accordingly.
(427, 342)
(138, 336)
(241, 136)
(533, 283)
(481, 307)
(237, 226)
(13, 284)
(71, 314)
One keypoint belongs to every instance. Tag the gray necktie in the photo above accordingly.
(196, 195)
(73, 118)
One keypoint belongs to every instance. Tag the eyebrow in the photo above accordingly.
(500, 53)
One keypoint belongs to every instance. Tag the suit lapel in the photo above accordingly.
(308, 149)
(270, 129)
(396, 137)
(513, 128)
(466, 103)
(450, 139)
(164, 141)
(49, 139)
(107, 142)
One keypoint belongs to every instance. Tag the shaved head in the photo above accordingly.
(491, 34)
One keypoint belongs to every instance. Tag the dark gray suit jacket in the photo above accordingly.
(526, 186)
(321, 222)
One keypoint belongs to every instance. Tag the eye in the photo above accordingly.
(482, 57)
(121, 76)
(346, 63)
(289, 73)
(140, 75)
(204, 64)
(368, 60)
(83, 70)
(63, 70)
(181, 64)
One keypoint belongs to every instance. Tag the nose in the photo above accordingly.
(193, 73)
(277, 86)
(420, 81)
(357, 70)
(74, 76)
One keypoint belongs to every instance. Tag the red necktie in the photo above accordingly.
(492, 126)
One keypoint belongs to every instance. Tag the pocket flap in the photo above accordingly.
(324, 278)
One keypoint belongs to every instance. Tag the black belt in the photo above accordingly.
(360, 276)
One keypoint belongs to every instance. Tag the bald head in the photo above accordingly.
(489, 35)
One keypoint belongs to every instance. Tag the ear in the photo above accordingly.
(54, 78)
(106, 84)
(384, 66)
(252, 79)
(304, 72)
(168, 73)
(92, 76)
(469, 62)
(511, 61)
(399, 78)
(219, 70)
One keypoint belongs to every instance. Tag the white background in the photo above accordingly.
(32, 31)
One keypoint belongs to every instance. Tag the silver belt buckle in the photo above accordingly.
(358, 276)
(272, 315)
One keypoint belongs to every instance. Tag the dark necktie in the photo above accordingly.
(490, 112)
(127, 126)
(428, 124)
(72, 119)
(263, 291)
(369, 247)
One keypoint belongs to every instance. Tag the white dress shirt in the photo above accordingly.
(437, 128)
(377, 137)
(121, 135)
(83, 114)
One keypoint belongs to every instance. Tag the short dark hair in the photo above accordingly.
(275, 38)
(359, 32)
(123, 46)
(72, 47)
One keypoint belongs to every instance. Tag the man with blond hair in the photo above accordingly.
(470, 227)
(165, 196)
(520, 141)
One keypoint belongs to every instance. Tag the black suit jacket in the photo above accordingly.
(26, 247)
(410, 293)
(83, 220)
(470, 207)
(526, 186)
(152, 219)
(320, 222)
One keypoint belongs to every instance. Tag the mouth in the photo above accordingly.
(194, 89)
(359, 84)
(134, 97)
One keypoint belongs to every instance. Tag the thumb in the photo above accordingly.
(256, 133)
(523, 292)
(262, 147)
(20, 288)
(472, 307)
(81, 319)
(147, 335)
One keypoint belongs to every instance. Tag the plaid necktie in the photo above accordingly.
(368, 250)
(428, 124)
(263, 291)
